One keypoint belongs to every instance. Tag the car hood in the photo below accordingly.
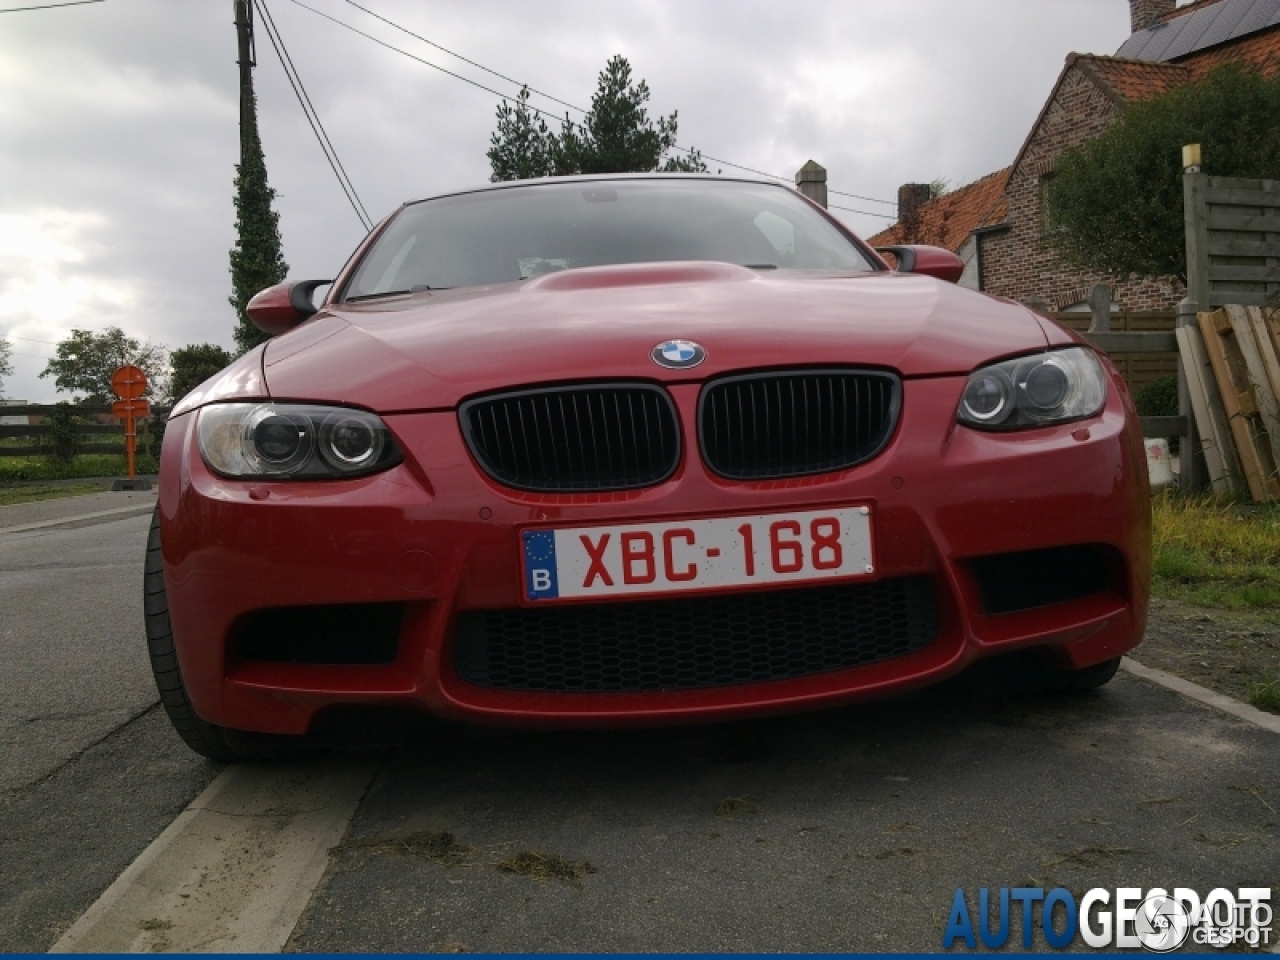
(432, 349)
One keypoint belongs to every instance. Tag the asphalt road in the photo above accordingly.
(70, 619)
(846, 830)
(90, 772)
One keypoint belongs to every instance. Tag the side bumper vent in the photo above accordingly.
(1009, 582)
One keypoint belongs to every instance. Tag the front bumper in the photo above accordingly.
(438, 538)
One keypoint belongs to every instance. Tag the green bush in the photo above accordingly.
(60, 431)
(1159, 398)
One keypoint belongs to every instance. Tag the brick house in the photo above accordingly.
(997, 223)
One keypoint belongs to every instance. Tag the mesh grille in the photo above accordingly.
(695, 642)
(584, 438)
(772, 425)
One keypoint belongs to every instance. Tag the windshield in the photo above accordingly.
(498, 236)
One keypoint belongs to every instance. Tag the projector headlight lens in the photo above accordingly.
(293, 441)
(1034, 391)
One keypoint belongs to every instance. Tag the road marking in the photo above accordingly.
(1220, 701)
(135, 510)
(234, 871)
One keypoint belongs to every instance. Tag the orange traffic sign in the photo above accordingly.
(129, 382)
(130, 408)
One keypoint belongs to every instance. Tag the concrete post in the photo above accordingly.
(811, 181)
(1194, 475)
(1100, 308)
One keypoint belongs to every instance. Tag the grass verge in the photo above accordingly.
(1265, 694)
(1224, 556)
(12, 495)
(18, 469)
(1214, 554)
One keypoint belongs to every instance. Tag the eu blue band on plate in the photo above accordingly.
(540, 564)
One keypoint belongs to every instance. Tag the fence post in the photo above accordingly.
(811, 181)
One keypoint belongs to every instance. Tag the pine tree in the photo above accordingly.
(520, 147)
(257, 260)
(616, 135)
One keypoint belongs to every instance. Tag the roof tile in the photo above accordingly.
(948, 220)
(1133, 80)
(1261, 50)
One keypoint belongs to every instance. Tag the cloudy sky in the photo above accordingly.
(119, 123)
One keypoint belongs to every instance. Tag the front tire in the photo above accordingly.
(207, 739)
(1025, 673)
(1091, 678)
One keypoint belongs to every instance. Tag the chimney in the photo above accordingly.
(911, 197)
(811, 181)
(1146, 13)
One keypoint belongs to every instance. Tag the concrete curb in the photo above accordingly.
(1219, 701)
(134, 510)
(234, 871)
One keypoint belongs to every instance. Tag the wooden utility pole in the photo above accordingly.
(244, 33)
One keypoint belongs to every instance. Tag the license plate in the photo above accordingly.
(715, 553)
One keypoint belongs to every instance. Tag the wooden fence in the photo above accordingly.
(1233, 260)
(97, 436)
(1139, 359)
(1233, 240)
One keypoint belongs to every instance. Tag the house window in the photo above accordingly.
(1047, 224)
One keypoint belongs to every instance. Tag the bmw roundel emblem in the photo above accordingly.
(678, 354)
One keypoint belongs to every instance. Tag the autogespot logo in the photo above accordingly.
(1157, 920)
(678, 354)
(1162, 923)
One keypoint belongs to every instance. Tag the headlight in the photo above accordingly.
(1033, 391)
(293, 440)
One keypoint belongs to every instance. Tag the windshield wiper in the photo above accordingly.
(373, 296)
(392, 293)
(761, 266)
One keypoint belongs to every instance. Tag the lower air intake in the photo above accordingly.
(695, 642)
(1009, 582)
(350, 633)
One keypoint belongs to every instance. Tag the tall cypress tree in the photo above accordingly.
(257, 260)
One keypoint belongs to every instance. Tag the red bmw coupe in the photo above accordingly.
(635, 450)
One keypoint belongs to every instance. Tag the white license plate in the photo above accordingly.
(721, 552)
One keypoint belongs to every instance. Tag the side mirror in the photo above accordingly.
(278, 309)
(931, 261)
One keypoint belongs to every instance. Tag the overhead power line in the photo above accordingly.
(313, 118)
(508, 97)
(50, 6)
(892, 203)
(541, 93)
(479, 66)
(406, 53)
(887, 216)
